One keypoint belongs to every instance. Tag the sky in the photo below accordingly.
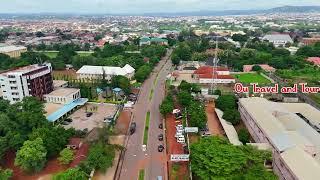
(139, 6)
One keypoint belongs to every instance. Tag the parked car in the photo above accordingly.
(160, 137)
(68, 120)
(88, 114)
(160, 148)
(160, 126)
(133, 128)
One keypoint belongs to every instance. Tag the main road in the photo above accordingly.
(153, 163)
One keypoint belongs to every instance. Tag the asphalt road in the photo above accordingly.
(152, 161)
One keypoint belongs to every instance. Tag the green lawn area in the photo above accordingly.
(251, 78)
(315, 97)
(146, 129)
(53, 54)
(141, 174)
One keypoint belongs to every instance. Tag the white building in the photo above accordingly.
(97, 72)
(33, 80)
(291, 129)
(63, 96)
(13, 51)
(278, 40)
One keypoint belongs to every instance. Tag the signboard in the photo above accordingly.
(191, 129)
(179, 157)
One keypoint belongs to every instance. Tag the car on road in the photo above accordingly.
(88, 114)
(160, 137)
(133, 128)
(160, 126)
(160, 148)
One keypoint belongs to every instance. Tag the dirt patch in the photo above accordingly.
(123, 122)
(214, 125)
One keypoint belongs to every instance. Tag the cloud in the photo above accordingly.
(139, 6)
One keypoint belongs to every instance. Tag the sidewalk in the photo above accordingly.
(214, 125)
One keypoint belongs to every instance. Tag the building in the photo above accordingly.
(13, 51)
(265, 67)
(149, 41)
(97, 72)
(293, 132)
(33, 80)
(278, 40)
(309, 41)
(314, 60)
(63, 96)
(208, 75)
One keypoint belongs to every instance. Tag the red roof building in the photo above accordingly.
(208, 74)
(266, 67)
(314, 60)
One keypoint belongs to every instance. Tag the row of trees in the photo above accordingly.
(216, 158)
(228, 104)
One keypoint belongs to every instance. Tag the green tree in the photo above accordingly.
(142, 73)
(5, 174)
(196, 115)
(101, 156)
(225, 102)
(66, 156)
(121, 82)
(232, 115)
(184, 98)
(32, 155)
(215, 158)
(71, 174)
(167, 105)
(240, 37)
(244, 136)
(256, 68)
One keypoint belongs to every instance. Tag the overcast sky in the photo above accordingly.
(139, 6)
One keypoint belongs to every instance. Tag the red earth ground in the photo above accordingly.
(123, 122)
(52, 167)
(173, 147)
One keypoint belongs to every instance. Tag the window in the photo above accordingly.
(14, 88)
(12, 82)
(11, 76)
(14, 93)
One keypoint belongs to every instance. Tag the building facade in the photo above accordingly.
(63, 96)
(278, 40)
(295, 142)
(106, 72)
(33, 80)
(13, 51)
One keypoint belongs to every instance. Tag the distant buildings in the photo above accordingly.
(278, 40)
(12, 51)
(293, 132)
(314, 60)
(309, 41)
(32, 80)
(265, 67)
(207, 75)
(149, 41)
(97, 72)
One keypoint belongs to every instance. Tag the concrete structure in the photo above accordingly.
(13, 51)
(207, 75)
(33, 80)
(63, 96)
(291, 130)
(97, 72)
(278, 39)
(60, 84)
(265, 67)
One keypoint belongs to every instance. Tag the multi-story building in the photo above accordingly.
(293, 132)
(33, 80)
(13, 51)
(97, 72)
(63, 96)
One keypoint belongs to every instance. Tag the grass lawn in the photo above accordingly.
(146, 129)
(315, 97)
(251, 78)
(141, 174)
(53, 54)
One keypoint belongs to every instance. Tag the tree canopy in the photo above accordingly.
(71, 174)
(215, 158)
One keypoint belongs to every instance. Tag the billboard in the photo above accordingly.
(179, 157)
(191, 129)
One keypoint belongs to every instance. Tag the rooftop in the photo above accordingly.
(277, 37)
(294, 138)
(25, 69)
(127, 69)
(6, 49)
(63, 92)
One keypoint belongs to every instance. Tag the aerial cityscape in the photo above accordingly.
(160, 90)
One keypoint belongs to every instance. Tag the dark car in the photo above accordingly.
(160, 137)
(161, 126)
(68, 120)
(133, 128)
(88, 114)
(160, 148)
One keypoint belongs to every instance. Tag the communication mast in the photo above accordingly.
(214, 68)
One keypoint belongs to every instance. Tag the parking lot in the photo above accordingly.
(80, 121)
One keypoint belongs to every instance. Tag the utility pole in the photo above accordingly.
(214, 68)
